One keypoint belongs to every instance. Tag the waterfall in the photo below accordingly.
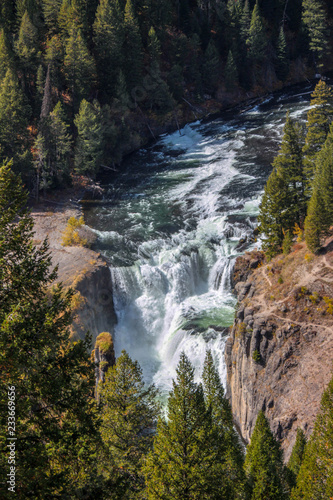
(171, 232)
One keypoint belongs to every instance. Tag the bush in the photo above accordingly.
(70, 236)
(256, 356)
(329, 303)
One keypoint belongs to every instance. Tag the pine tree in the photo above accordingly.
(183, 464)
(159, 96)
(13, 133)
(271, 218)
(51, 9)
(282, 64)
(175, 82)
(26, 45)
(245, 21)
(231, 73)
(315, 477)
(314, 222)
(154, 46)
(320, 210)
(56, 422)
(257, 40)
(89, 146)
(296, 457)
(315, 21)
(108, 38)
(284, 202)
(132, 49)
(79, 67)
(264, 463)
(129, 413)
(211, 68)
(5, 55)
(231, 456)
(318, 124)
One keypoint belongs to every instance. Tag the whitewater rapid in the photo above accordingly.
(171, 228)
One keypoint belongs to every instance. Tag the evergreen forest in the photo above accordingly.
(85, 81)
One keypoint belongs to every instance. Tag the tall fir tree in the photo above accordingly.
(184, 463)
(129, 414)
(315, 477)
(315, 20)
(14, 137)
(109, 39)
(79, 67)
(318, 124)
(231, 455)
(27, 46)
(264, 464)
(89, 144)
(282, 63)
(257, 40)
(231, 73)
(132, 49)
(296, 458)
(211, 68)
(56, 421)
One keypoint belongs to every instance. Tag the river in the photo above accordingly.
(170, 227)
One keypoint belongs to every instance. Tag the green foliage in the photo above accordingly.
(282, 64)
(56, 421)
(129, 414)
(287, 242)
(231, 73)
(88, 151)
(264, 463)
(318, 125)
(211, 68)
(296, 457)
(315, 477)
(257, 41)
(256, 356)
(132, 49)
(315, 20)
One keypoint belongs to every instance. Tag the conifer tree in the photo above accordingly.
(264, 463)
(315, 20)
(13, 132)
(315, 477)
(51, 9)
(231, 73)
(109, 39)
(211, 67)
(257, 41)
(296, 457)
(231, 456)
(154, 45)
(282, 65)
(318, 124)
(314, 222)
(26, 45)
(5, 55)
(271, 218)
(132, 49)
(56, 422)
(184, 463)
(79, 67)
(129, 413)
(245, 21)
(159, 96)
(89, 145)
(284, 203)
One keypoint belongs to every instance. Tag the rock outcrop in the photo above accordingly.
(280, 352)
(80, 268)
(104, 356)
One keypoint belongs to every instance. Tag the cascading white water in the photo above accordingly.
(172, 230)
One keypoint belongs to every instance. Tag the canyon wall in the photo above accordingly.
(280, 352)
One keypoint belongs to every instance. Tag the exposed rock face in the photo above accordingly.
(80, 268)
(280, 352)
(104, 355)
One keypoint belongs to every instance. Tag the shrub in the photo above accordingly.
(329, 303)
(280, 280)
(314, 298)
(287, 242)
(70, 236)
(256, 356)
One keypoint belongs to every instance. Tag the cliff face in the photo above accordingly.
(280, 352)
(80, 268)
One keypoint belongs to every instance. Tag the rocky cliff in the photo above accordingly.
(280, 352)
(80, 268)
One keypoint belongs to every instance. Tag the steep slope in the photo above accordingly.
(279, 355)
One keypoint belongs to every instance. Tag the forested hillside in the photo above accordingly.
(82, 81)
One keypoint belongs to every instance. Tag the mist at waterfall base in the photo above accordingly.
(170, 226)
